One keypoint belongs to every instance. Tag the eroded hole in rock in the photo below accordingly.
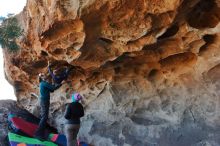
(57, 63)
(44, 53)
(18, 86)
(74, 46)
(96, 73)
(170, 32)
(209, 38)
(61, 28)
(181, 61)
(214, 74)
(147, 122)
(117, 70)
(40, 64)
(108, 41)
(15, 61)
(204, 15)
(55, 27)
(206, 5)
(152, 73)
(58, 51)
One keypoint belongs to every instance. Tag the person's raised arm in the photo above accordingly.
(50, 71)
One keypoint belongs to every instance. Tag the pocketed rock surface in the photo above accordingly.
(149, 70)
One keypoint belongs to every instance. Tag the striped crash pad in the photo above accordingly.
(18, 140)
(29, 129)
(60, 139)
(29, 118)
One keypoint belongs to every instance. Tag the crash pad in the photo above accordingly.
(18, 140)
(29, 129)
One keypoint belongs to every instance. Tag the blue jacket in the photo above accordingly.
(46, 88)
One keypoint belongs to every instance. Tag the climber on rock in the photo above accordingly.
(46, 88)
(74, 111)
(58, 75)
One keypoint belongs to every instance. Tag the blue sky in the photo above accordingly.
(8, 6)
(11, 6)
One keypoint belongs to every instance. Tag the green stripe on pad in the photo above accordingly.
(53, 137)
(27, 140)
(50, 136)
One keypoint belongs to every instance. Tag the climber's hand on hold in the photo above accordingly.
(63, 82)
(48, 63)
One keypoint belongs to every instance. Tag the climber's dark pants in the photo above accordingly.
(44, 116)
(71, 131)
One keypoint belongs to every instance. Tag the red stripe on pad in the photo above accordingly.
(54, 138)
(26, 127)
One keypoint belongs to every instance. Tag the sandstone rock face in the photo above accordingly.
(148, 69)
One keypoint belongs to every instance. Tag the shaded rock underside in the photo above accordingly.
(148, 69)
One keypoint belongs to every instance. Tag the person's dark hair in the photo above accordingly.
(40, 79)
(44, 77)
(48, 78)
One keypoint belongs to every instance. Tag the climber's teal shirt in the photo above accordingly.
(46, 88)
